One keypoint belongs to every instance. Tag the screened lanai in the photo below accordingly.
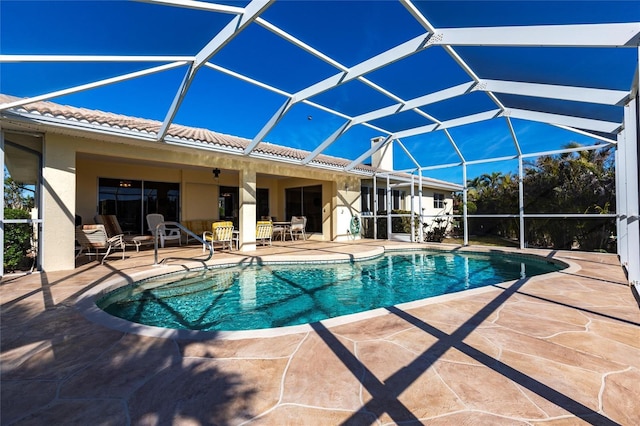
(455, 88)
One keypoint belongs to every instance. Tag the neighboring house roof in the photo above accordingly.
(54, 114)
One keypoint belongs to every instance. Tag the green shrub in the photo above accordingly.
(17, 241)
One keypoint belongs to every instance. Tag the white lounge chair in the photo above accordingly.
(156, 224)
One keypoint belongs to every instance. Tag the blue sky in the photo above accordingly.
(349, 32)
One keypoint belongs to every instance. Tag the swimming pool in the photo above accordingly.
(269, 296)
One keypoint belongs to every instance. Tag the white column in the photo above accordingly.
(389, 201)
(247, 214)
(521, 200)
(375, 207)
(58, 204)
(631, 142)
(413, 213)
(465, 219)
(421, 221)
(621, 200)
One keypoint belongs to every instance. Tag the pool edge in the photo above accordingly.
(86, 303)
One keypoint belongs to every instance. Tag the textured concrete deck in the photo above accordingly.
(559, 349)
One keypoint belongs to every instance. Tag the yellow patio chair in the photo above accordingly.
(221, 233)
(94, 238)
(264, 231)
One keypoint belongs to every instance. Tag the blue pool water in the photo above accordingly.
(267, 296)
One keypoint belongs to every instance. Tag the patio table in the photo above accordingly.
(285, 228)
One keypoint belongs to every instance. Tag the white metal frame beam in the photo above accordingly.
(581, 35)
(93, 85)
(228, 33)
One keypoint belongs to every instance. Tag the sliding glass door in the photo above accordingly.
(305, 201)
(132, 200)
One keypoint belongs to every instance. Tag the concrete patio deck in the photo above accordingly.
(559, 349)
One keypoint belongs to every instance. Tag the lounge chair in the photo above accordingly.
(164, 233)
(112, 226)
(94, 238)
(298, 225)
(221, 233)
(264, 232)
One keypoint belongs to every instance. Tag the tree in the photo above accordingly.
(571, 182)
(15, 194)
(17, 237)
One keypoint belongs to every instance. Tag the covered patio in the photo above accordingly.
(562, 348)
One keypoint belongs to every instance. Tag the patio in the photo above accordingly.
(557, 349)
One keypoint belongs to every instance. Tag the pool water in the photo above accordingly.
(267, 296)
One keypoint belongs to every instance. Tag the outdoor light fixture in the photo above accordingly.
(216, 173)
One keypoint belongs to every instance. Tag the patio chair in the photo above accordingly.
(94, 238)
(264, 231)
(164, 233)
(298, 225)
(112, 226)
(221, 233)
(280, 229)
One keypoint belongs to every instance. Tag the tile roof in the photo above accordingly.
(192, 135)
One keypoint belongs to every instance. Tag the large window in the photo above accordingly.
(132, 200)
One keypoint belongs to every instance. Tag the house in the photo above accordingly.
(84, 162)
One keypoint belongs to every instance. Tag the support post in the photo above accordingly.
(388, 209)
(247, 214)
(521, 201)
(465, 218)
(631, 141)
(421, 221)
(375, 207)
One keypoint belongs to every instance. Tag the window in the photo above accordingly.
(366, 201)
(397, 198)
(438, 201)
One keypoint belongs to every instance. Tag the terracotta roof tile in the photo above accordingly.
(176, 131)
(151, 127)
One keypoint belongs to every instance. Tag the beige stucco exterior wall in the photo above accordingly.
(73, 164)
(58, 204)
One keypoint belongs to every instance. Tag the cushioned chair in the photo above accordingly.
(264, 232)
(298, 225)
(164, 233)
(93, 239)
(112, 226)
(221, 233)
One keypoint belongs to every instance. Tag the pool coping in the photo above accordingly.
(86, 303)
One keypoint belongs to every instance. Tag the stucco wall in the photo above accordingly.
(73, 164)
(59, 204)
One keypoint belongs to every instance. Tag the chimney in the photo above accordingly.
(382, 159)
